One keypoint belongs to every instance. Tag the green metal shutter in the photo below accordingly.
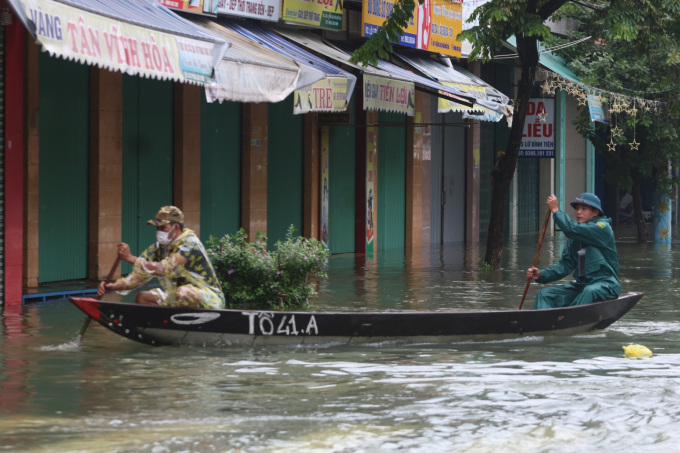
(63, 167)
(527, 198)
(342, 167)
(391, 182)
(147, 157)
(284, 170)
(220, 168)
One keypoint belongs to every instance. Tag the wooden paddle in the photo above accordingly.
(538, 250)
(79, 338)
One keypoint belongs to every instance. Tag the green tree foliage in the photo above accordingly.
(634, 51)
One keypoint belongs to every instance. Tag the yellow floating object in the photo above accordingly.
(637, 350)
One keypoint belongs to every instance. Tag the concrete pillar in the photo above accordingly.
(254, 170)
(14, 161)
(106, 171)
(311, 177)
(560, 144)
(473, 172)
(360, 142)
(514, 204)
(32, 156)
(427, 168)
(187, 153)
(414, 177)
(546, 187)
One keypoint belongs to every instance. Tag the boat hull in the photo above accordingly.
(170, 326)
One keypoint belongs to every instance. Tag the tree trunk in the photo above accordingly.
(504, 169)
(637, 207)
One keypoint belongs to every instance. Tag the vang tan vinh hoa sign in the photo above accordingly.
(120, 46)
(389, 95)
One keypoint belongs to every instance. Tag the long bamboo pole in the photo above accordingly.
(538, 251)
(81, 333)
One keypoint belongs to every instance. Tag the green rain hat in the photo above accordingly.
(588, 199)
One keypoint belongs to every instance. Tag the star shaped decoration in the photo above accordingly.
(633, 111)
(616, 131)
(663, 233)
(542, 117)
(582, 101)
(663, 207)
(611, 146)
(646, 108)
(634, 145)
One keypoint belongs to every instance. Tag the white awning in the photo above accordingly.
(132, 36)
(251, 72)
(387, 87)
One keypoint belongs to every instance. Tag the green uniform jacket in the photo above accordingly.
(602, 263)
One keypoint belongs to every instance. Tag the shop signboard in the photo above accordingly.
(192, 6)
(260, 9)
(597, 110)
(325, 140)
(450, 105)
(319, 13)
(326, 95)
(79, 35)
(389, 95)
(538, 138)
(434, 26)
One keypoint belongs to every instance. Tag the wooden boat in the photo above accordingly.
(164, 326)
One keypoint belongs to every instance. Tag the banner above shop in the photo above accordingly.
(327, 95)
(241, 82)
(449, 105)
(538, 139)
(389, 95)
(434, 26)
(118, 45)
(262, 9)
(319, 13)
(597, 110)
(192, 6)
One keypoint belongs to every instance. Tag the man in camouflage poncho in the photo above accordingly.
(178, 260)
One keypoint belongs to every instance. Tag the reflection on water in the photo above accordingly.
(533, 394)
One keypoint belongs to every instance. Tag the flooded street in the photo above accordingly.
(558, 394)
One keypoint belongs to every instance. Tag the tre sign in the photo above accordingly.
(538, 138)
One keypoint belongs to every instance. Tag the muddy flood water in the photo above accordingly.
(553, 394)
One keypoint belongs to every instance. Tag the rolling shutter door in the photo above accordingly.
(284, 170)
(342, 168)
(2, 163)
(391, 182)
(220, 168)
(63, 169)
(147, 158)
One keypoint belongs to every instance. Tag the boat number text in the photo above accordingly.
(260, 323)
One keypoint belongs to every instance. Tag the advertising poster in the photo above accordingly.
(434, 26)
(327, 95)
(371, 187)
(538, 139)
(324, 184)
(319, 13)
(389, 95)
(597, 111)
(261, 9)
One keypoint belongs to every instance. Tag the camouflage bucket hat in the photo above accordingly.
(166, 215)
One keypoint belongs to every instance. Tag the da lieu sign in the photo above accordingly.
(538, 138)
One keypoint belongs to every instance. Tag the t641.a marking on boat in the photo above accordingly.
(270, 323)
(193, 318)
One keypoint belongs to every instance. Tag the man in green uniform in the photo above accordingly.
(180, 263)
(590, 253)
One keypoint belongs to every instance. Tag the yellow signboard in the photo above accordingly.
(319, 13)
(434, 26)
(326, 95)
(389, 95)
(449, 105)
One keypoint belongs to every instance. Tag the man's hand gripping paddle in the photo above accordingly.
(79, 338)
(538, 251)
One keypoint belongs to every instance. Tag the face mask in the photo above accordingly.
(162, 237)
